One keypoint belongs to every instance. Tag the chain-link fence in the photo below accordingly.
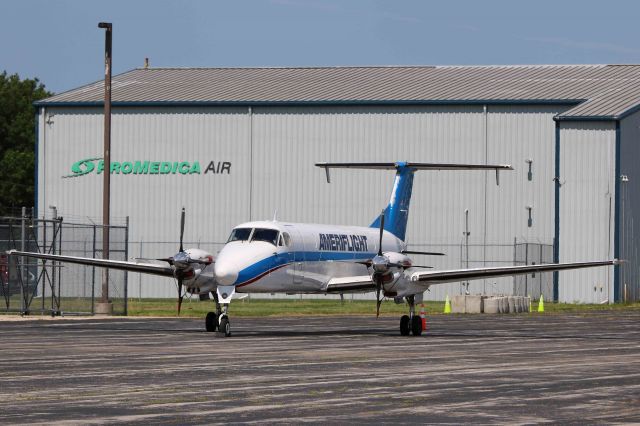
(517, 253)
(30, 285)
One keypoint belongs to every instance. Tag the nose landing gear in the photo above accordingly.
(412, 323)
(218, 320)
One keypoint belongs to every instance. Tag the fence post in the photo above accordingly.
(44, 271)
(126, 274)
(59, 268)
(22, 247)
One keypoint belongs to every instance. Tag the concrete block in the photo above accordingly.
(473, 304)
(458, 304)
(504, 305)
(491, 305)
(464, 304)
(512, 304)
(104, 308)
(527, 302)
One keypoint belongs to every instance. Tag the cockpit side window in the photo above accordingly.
(239, 234)
(280, 241)
(287, 239)
(267, 235)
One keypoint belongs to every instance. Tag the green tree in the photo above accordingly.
(18, 140)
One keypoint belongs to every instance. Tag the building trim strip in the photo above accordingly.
(556, 230)
(317, 103)
(616, 230)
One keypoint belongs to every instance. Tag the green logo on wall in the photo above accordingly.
(89, 165)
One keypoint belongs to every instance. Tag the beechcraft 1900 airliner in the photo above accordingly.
(282, 257)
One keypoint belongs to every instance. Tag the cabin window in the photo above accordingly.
(267, 235)
(287, 239)
(239, 234)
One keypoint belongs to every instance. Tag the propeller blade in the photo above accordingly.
(427, 253)
(180, 295)
(378, 301)
(181, 228)
(381, 231)
(420, 266)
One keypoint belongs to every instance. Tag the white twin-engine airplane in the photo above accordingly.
(281, 257)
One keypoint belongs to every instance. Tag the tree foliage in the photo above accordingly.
(18, 140)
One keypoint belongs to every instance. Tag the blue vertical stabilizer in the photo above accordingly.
(396, 213)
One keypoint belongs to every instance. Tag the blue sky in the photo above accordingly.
(59, 42)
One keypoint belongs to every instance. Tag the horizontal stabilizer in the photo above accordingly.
(413, 166)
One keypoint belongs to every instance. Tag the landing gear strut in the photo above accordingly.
(411, 323)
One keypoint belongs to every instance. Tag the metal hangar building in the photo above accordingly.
(239, 144)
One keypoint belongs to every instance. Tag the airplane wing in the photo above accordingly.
(353, 284)
(147, 268)
(440, 277)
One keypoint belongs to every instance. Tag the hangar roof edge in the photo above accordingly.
(596, 91)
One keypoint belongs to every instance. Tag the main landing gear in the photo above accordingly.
(412, 323)
(218, 320)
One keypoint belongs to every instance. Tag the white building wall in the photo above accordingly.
(587, 209)
(272, 151)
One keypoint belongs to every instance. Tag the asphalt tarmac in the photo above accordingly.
(489, 369)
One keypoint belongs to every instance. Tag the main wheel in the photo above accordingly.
(404, 325)
(225, 327)
(211, 321)
(416, 325)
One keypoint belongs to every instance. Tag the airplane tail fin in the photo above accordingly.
(396, 213)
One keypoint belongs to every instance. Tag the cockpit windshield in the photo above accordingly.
(239, 234)
(268, 235)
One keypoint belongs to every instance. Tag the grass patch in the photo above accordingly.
(274, 307)
(290, 307)
(298, 307)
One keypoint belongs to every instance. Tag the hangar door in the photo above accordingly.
(587, 208)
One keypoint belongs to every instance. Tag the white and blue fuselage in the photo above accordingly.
(271, 257)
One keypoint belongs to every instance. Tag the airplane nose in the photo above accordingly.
(225, 273)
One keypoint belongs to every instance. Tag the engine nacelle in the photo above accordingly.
(200, 255)
(399, 258)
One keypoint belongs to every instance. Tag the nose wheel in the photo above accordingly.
(218, 320)
(225, 327)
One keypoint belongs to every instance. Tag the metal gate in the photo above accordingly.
(535, 284)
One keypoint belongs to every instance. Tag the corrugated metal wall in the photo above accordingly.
(630, 206)
(272, 150)
(214, 202)
(587, 208)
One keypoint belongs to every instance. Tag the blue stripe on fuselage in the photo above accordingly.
(272, 262)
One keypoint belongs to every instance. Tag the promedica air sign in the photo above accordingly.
(147, 167)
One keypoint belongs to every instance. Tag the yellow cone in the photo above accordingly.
(447, 305)
(541, 304)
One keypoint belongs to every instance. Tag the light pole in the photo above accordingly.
(105, 306)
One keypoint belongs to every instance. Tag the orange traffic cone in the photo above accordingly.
(423, 317)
